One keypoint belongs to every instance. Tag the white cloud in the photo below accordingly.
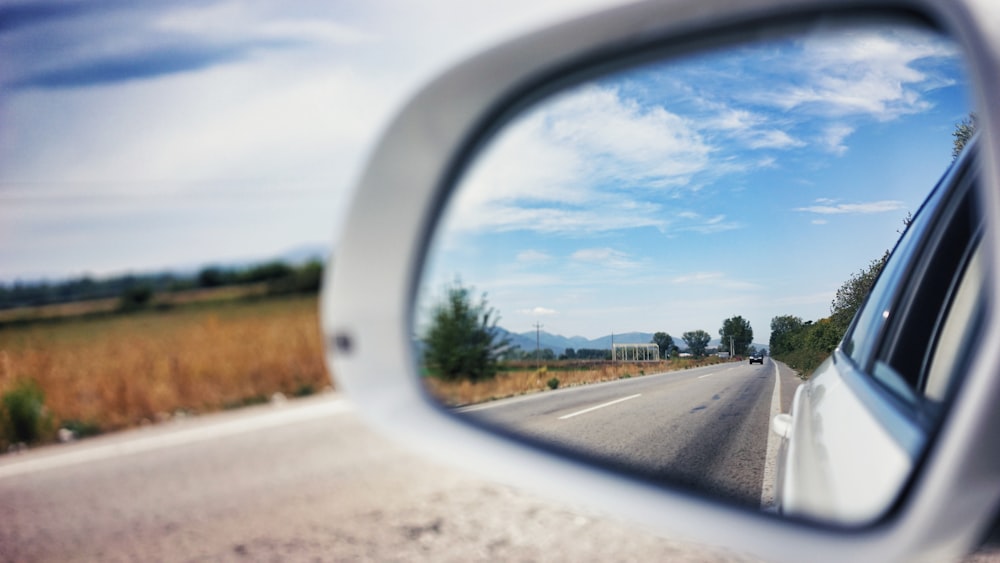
(570, 165)
(772, 139)
(871, 73)
(532, 256)
(833, 136)
(733, 119)
(538, 312)
(853, 208)
(819, 221)
(605, 257)
(714, 224)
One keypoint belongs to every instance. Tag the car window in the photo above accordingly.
(863, 335)
(920, 306)
(956, 331)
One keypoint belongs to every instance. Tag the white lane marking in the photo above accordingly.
(289, 414)
(608, 404)
(773, 442)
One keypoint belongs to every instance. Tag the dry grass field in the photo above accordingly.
(529, 380)
(115, 371)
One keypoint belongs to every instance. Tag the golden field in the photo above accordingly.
(115, 371)
(529, 380)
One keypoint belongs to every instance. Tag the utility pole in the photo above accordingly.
(538, 347)
(732, 349)
(613, 348)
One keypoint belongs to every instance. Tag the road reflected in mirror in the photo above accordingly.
(643, 268)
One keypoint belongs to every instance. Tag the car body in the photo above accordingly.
(757, 358)
(936, 491)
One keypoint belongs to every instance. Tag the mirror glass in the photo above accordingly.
(642, 268)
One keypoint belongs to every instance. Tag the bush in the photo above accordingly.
(553, 383)
(136, 297)
(24, 418)
(82, 429)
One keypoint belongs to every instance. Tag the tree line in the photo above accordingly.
(803, 345)
(280, 277)
(463, 341)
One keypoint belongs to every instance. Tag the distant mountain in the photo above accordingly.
(558, 343)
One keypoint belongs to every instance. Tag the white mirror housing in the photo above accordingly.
(950, 503)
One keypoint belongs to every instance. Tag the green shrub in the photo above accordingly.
(553, 383)
(24, 418)
(82, 429)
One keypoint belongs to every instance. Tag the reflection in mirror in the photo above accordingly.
(643, 268)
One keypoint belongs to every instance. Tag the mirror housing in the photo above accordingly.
(368, 295)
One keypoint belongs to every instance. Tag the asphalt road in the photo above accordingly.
(305, 481)
(705, 429)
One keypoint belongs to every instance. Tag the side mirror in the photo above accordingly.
(574, 145)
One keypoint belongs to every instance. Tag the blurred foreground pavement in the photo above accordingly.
(305, 480)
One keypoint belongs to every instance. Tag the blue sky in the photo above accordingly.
(138, 136)
(750, 181)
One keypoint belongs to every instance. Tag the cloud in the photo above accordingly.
(853, 208)
(606, 257)
(833, 136)
(584, 161)
(773, 139)
(538, 312)
(532, 256)
(819, 221)
(881, 74)
(732, 119)
(714, 224)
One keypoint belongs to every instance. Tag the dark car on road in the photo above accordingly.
(757, 358)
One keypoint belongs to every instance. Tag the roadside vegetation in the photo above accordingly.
(522, 377)
(82, 371)
(803, 345)
(467, 361)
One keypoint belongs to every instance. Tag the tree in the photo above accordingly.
(738, 329)
(665, 342)
(462, 342)
(135, 297)
(853, 292)
(964, 130)
(697, 341)
(784, 329)
(211, 277)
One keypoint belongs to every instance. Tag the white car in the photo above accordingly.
(861, 424)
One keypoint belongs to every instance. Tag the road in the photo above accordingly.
(305, 481)
(705, 429)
